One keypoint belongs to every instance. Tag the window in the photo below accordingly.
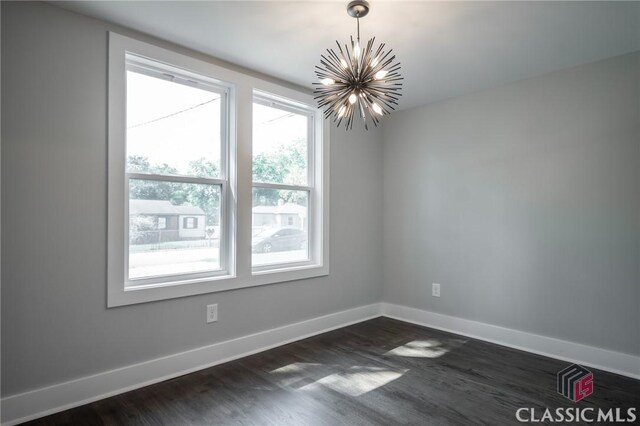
(175, 142)
(162, 223)
(184, 216)
(283, 181)
(191, 223)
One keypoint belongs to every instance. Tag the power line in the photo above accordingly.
(290, 114)
(173, 114)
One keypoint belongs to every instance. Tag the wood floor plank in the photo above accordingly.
(379, 372)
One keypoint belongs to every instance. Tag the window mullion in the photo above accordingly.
(176, 178)
(281, 186)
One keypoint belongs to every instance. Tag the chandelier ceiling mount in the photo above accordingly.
(358, 8)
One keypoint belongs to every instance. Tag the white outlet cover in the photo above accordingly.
(212, 313)
(435, 290)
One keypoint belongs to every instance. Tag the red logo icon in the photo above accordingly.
(575, 382)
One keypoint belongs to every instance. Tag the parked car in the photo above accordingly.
(279, 239)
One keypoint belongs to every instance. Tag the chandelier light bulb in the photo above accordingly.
(358, 79)
(381, 74)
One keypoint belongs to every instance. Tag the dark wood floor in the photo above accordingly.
(380, 372)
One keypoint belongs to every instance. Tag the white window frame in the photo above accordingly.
(154, 69)
(237, 206)
(314, 250)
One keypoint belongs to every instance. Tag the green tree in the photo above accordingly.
(203, 168)
(288, 164)
(207, 197)
(148, 189)
(141, 229)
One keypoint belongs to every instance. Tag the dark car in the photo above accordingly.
(280, 239)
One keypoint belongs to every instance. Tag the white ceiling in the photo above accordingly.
(446, 48)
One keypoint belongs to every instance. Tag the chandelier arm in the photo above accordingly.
(347, 58)
(391, 80)
(379, 49)
(328, 60)
(340, 101)
(341, 51)
(382, 62)
(372, 115)
(384, 82)
(384, 105)
(394, 69)
(332, 90)
(328, 91)
(381, 97)
(332, 70)
(332, 108)
(337, 66)
(387, 96)
(350, 60)
(338, 61)
(366, 59)
(347, 120)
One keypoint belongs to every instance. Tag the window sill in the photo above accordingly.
(288, 273)
(150, 293)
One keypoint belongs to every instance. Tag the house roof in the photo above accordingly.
(161, 207)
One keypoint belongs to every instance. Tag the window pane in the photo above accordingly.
(280, 145)
(280, 226)
(172, 128)
(174, 228)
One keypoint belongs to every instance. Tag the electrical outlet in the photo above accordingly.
(212, 313)
(435, 290)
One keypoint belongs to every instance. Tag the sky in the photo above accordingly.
(173, 123)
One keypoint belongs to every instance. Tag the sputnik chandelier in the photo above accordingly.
(358, 80)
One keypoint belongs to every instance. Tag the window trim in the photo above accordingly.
(314, 249)
(155, 69)
(239, 176)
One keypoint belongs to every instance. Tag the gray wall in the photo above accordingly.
(55, 325)
(523, 202)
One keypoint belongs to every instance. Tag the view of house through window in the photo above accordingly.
(281, 184)
(173, 142)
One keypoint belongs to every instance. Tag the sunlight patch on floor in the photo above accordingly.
(357, 380)
(296, 367)
(299, 373)
(430, 348)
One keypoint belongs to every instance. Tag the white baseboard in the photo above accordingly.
(44, 401)
(589, 356)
